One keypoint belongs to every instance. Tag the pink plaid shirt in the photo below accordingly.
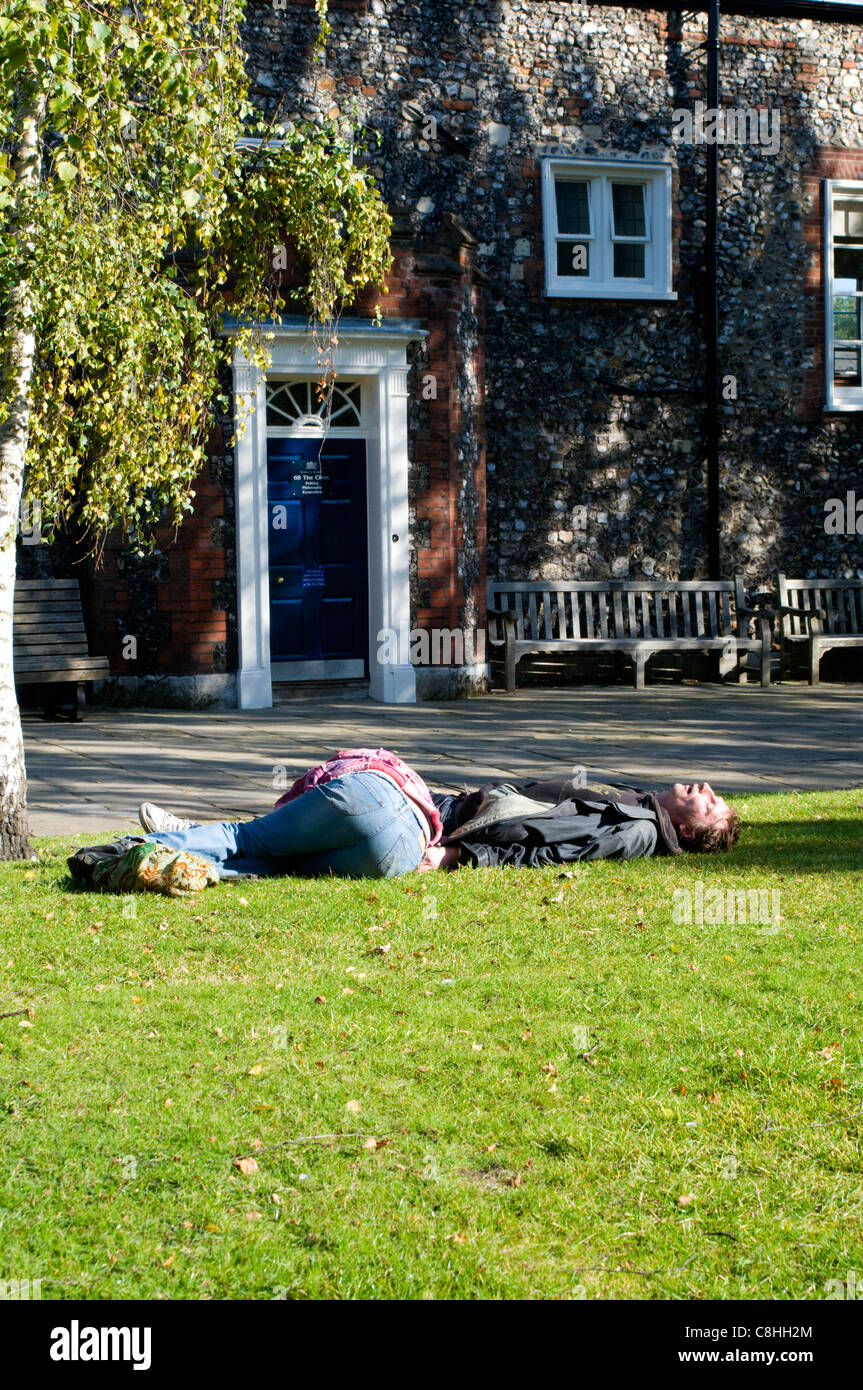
(371, 760)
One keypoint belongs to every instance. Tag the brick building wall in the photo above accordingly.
(583, 418)
(597, 404)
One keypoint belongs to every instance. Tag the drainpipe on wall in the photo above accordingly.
(711, 307)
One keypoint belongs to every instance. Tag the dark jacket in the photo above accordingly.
(599, 822)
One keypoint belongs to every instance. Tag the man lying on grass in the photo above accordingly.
(365, 813)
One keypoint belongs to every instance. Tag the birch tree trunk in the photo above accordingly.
(18, 369)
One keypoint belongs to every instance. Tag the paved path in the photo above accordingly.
(88, 778)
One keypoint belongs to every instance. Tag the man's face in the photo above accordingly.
(694, 803)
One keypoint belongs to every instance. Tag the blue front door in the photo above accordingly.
(316, 499)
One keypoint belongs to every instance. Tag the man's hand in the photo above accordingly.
(438, 857)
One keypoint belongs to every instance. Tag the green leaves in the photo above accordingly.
(142, 127)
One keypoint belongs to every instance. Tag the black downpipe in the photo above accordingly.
(711, 306)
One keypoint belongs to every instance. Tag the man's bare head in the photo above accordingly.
(704, 822)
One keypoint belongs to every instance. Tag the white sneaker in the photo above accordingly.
(153, 818)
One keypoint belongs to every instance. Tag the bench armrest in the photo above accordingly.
(801, 612)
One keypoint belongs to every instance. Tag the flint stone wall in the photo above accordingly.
(593, 413)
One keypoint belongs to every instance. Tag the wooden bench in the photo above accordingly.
(820, 613)
(637, 617)
(49, 639)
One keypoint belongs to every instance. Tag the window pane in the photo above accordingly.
(627, 200)
(629, 260)
(573, 214)
(846, 366)
(847, 270)
(848, 219)
(846, 316)
(573, 258)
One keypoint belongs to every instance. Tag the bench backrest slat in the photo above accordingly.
(589, 627)
(699, 614)
(617, 603)
(630, 608)
(562, 629)
(533, 629)
(603, 614)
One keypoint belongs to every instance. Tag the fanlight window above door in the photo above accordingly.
(296, 403)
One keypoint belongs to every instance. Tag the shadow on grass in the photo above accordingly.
(827, 844)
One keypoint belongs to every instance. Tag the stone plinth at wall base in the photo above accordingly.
(168, 692)
(451, 682)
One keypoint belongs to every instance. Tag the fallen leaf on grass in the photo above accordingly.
(320, 999)
(255, 1070)
(375, 1143)
(353, 1106)
(687, 1199)
(246, 1165)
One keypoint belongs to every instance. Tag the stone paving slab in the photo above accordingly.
(89, 778)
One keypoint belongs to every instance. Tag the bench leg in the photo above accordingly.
(814, 661)
(765, 664)
(79, 707)
(510, 666)
(640, 665)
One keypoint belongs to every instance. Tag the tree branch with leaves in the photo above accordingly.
(142, 197)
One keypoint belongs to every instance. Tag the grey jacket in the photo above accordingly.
(580, 823)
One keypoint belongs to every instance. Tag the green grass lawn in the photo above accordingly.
(495, 1084)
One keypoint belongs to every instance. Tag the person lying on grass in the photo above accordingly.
(555, 821)
(365, 813)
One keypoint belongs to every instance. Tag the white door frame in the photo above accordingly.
(378, 355)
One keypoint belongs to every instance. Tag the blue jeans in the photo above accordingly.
(357, 826)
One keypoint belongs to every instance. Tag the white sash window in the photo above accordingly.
(843, 261)
(607, 229)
